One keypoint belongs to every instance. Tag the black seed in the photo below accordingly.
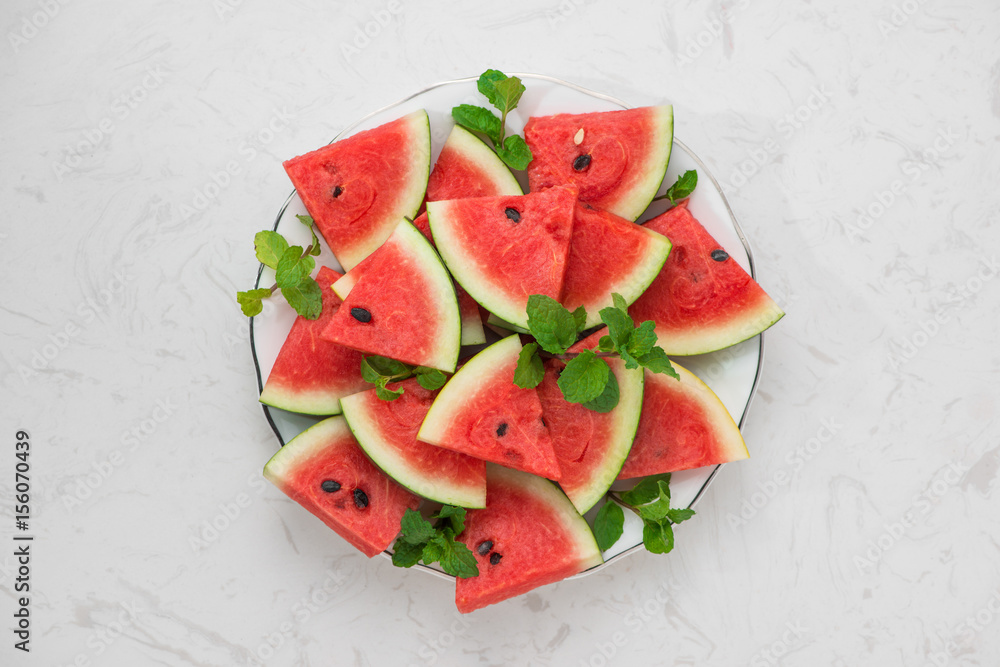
(502, 429)
(360, 499)
(330, 486)
(484, 547)
(337, 191)
(544, 423)
(720, 255)
(361, 315)
(495, 558)
(512, 214)
(581, 162)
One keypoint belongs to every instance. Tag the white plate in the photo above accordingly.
(731, 373)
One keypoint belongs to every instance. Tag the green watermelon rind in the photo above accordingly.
(743, 325)
(477, 152)
(632, 204)
(631, 383)
(302, 447)
(505, 325)
(367, 432)
(315, 403)
(472, 328)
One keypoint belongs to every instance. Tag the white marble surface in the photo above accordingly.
(869, 525)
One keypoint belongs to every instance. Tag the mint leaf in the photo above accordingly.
(487, 85)
(580, 315)
(306, 298)
(605, 344)
(430, 378)
(642, 339)
(386, 366)
(478, 119)
(405, 554)
(515, 152)
(385, 394)
(433, 550)
(620, 326)
(619, 302)
(679, 515)
(307, 220)
(529, 372)
(293, 267)
(682, 187)
(656, 361)
(456, 558)
(414, 528)
(508, 91)
(551, 324)
(608, 399)
(250, 301)
(454, 515)
(270, 247)
(608, 525)
(658, 537)
(584, 377)
(646, 491)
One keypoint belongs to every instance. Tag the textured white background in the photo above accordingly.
(872, 537)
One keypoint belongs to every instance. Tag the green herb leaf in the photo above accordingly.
(456, 559)
(478, 119)
(656, 361)
(529, 372)
(619, 302)
(430, 378)
(508, 92)
(646, 491)
(551, 324)
(307, 220)
(642, 339)
(682, 187)
(270, 247)
(433, 550)
(515, 152)
(580, 315)
(658, 537)
(584, 378)
(386, 366)
(385, 394)
(454, 515)
(679, 515)
(620, 326)
(608, 399)
(405, 554)
(608, 525)
(293, 267)
(305, 297)
(414, 528)
(605, 344)
(250, 301)
(487, 85)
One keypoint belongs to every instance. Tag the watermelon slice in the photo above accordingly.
(325, 471)
(387, 431)
(683, 425)
(617, 159)
(590, 446)
(311, 375)
(702, 300)
(609, 254)
(528, 536)
(403, 306)
(482, 413)
(503, 249)
(358, 188)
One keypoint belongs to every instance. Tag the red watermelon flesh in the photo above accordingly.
(702, 300)
(466, 168)
(617, 159)
(503, 249)
(311, 375)
(528, 536)
(683, 425)
(358, 188)
(387, 431)
(482, 413)
(609, 254)
(324, 470)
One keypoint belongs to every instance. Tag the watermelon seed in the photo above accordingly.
(361, 315)
(484, 547)
(502, 429)
(337, 191)
(578, 137)
(495, 558)
(330, 486)
(360, 499)
(512, 214)
(581, 162)
(720, 255)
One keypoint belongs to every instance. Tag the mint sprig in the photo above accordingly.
(503, 92)
(292, 266)
(420, 540)
(381, 371)
(682, 187)
(650, 500)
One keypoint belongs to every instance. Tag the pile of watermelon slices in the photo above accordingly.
(431, 256)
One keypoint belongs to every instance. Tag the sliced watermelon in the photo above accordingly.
(590, 446)
(325, 471)
(311, 375)
(403, 306)
(617, 159)
(609, 254)
(358, 188)
(683, 425)
(387, 431)
(466, 168)
(482, 413)
(503, 249)
(528, 536)
(702, 300)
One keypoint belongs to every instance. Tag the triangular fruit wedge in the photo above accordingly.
(482, 413)
(359, 187)
(504, 249)
(590, 446)
(403, 307)
(617, 159)
(387, 431)
(609, 254)
(528, 536)
(702, 300)
(683, 425)
(311, 375)
(325, 471)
